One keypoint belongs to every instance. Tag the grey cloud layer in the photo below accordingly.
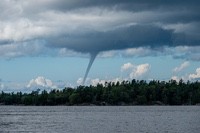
(94, 26)
(121, 38)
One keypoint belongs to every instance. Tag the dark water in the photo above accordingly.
(92, 119)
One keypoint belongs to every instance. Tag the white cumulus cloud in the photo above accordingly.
(196, 75)
(192, 77)
(175, 78)
(96, 81)
(137, 71)
(41, 82)
(181, 67)
(127, 66)
(79, 81)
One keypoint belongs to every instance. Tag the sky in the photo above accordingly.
(52, 44)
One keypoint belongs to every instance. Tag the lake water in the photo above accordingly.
(100, 119)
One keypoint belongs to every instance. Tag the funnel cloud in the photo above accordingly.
(92, 58)
(93, 42)
(29, 28)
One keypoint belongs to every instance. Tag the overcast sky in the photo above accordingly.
(48, 43)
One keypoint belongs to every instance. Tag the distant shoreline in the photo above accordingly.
(88, 104)
(97, 105)
(125, 93)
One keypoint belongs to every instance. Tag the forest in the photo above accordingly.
(135, 92)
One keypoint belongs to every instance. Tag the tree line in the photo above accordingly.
(135, 92)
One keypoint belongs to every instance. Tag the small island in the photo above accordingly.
(135, 92)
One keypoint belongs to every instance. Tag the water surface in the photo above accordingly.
(100, 119)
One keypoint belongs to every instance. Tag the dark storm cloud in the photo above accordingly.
(120, 38)
(133, 5)
(184, 11)
(93, 26)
